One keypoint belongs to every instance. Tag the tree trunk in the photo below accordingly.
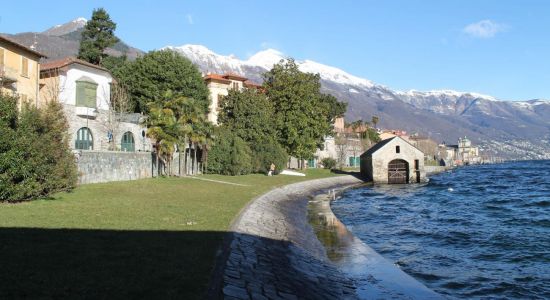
(195, 165)
(205, 161)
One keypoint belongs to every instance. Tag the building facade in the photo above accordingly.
(84, 90)
(219, 87)
(392, 161)
(19, 71)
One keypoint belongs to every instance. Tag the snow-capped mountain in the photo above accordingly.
(265, 59)
(59, 30)
(506, 128)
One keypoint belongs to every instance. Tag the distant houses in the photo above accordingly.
(463, 153)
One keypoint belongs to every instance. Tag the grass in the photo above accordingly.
(153, 238)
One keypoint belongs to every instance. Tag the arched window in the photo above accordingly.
(84, 139)
(127, 143)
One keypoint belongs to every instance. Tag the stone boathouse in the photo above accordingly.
(393, 160)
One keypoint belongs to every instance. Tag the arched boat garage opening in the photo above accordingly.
(398, 171)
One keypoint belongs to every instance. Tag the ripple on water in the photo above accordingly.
(470, 233)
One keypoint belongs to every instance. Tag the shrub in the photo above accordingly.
(35, 159)
(266, 152)
(230, 155)
(328, 163)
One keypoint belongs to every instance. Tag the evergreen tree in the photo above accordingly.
(148, 78)
(249, 115)
(98, 35)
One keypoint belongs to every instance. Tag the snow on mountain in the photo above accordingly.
(209, 61)
(333, 74)
(265, 59)
(444, 93)
(59, 30)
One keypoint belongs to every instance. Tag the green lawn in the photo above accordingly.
(153, 238)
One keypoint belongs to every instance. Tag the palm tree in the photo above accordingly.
(161, 122)
(374, 121)
(207, 131)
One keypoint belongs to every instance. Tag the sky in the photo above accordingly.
(494, 47)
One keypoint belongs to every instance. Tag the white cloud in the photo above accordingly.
(484, 29)
(190, 19)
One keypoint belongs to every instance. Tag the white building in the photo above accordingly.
(84, 90)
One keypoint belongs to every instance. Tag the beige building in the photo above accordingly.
(467, 153)
(19, 71)
(219, 86)
(393, 160)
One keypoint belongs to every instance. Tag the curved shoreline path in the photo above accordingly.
(274, 253)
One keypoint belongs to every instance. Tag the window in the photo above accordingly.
(25, 67)
(1, 57)
(235, 85)
(220, 101)
(127, 144)
(397, 149)
(86, 94)
(84, 139)
(416, 164)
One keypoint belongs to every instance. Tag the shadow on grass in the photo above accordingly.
(106, 264)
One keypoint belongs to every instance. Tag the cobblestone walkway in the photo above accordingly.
(274, 253)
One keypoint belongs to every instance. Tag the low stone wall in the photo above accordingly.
(430, 170)
(105, 166)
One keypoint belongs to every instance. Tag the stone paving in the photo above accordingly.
(274, 253)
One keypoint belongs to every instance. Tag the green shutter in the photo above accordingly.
(86, 94)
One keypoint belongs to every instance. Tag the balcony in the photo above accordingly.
(8, 75)
(87, 112)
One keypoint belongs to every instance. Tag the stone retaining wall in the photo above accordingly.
(430, 170)
(274, 253)
(105, 166)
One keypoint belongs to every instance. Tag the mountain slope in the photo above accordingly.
(64, 40)
(516, 130)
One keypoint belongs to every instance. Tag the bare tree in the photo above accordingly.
(119, 104)
(341, 142)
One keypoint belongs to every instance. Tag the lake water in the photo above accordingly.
(475, 232)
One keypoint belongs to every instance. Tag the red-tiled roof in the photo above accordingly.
(249, 83)
(60, 63)
(22, 47)
(216, 77)
(234, 77)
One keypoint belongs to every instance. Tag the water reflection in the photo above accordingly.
(375, 277)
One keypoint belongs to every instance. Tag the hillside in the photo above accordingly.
(64, 40)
